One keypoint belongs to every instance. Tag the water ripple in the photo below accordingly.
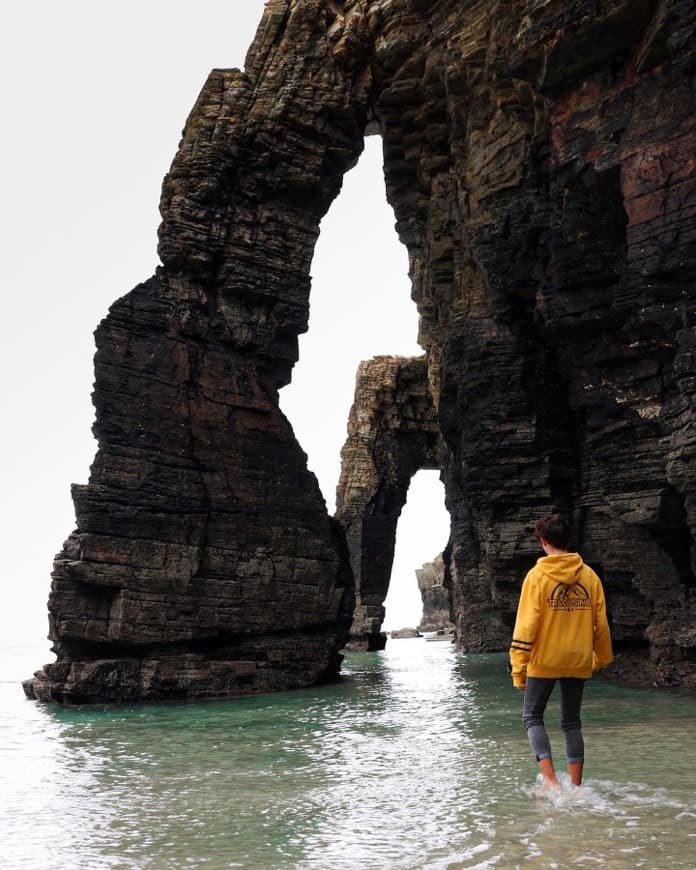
(416, 760)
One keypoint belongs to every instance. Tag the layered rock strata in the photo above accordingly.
(204, 561)
(539, 157)
(392, 434)
(540, 160)
(435, 596)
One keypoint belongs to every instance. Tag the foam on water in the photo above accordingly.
(606, 796)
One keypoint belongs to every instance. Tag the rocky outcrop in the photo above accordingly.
(539, 157)
(204, 561)
(392, 434)
(404, 634)
(178, 580)
(435, 596)
(540, 162)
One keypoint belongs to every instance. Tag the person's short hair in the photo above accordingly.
(554, 529)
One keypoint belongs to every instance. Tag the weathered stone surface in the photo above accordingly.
(392, 434)
(204, 561)
(435, 596)
(540, 160)
(179, 580)
(539, 156)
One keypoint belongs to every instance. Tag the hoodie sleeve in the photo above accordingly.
(524, 633)
(602, 654)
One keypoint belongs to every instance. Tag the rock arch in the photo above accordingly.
(539, 160)
(393, 432)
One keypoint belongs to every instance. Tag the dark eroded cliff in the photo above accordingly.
(539, 157)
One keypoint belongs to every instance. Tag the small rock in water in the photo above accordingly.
(401, 633)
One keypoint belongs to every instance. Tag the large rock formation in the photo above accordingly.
(204, 561)
(554, 262)
(392, 434)
(539, 157)
(435, 595)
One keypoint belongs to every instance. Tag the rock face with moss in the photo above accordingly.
(539, 157)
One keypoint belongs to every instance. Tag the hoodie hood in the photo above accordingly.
(563, 569)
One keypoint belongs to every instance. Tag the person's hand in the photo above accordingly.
(522, 688)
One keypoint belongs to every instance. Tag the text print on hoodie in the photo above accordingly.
(561, 628)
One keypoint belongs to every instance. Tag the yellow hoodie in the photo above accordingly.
(561, 628)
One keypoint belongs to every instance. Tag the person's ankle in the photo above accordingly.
(575, 772)
(548, 774)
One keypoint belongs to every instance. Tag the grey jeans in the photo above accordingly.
(536, 697)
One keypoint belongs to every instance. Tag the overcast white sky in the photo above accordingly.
(94, 98)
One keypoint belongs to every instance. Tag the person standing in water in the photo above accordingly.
(561, 634)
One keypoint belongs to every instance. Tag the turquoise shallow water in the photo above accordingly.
(417, 759)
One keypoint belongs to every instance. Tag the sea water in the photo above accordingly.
(416, 759)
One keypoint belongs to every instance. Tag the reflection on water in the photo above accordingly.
(416, 760)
